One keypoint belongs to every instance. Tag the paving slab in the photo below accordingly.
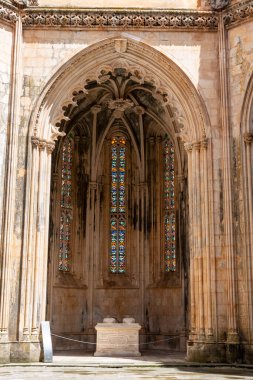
(155, 364)
(124, 373)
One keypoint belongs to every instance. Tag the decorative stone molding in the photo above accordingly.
(188, 147)
(33, 3)
(45, 144)
(8, 12)
(42, 144)
(55, 133)
(204, 144)
(120, 104)
(50, 147)
(35, 141)
(126, 19)
(238, 13)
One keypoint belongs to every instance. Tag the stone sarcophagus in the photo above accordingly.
(117, 339)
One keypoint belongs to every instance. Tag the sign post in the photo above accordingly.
(46, 342)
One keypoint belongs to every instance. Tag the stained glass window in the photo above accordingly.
(118, 205)
(169, 206)
(66, 206)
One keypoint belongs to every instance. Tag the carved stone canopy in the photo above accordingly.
(119, 93)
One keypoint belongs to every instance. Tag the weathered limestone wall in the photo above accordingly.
(6, 38)
(240, 58)
(122, 4)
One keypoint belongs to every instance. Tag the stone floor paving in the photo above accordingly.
(124, 373)
(151, 365)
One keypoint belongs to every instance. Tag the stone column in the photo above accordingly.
(40, 237)
(93, 187)
(198, 234)
(207, 221)
(229, 248)
(28, 253)
(192, 323)
(143, 205)
(93, 216)
(201, 322)
(48, 157)
(8, 222)
(248, 207)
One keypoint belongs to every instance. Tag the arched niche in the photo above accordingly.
(183, 117)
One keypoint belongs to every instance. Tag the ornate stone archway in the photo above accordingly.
(191, 120)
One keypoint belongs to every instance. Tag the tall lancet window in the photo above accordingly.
(169, 206)
(118, 205)
(66, 206)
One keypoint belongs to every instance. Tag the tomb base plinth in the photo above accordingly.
(117, 339)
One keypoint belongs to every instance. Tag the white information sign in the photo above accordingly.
(47, 342)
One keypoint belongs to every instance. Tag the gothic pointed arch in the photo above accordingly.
(170, 83)
(132, 91)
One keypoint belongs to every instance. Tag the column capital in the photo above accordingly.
(248, 137)
(95, 109)
(50, 147)
(188, 147)
(55, 177)
(151, 140)
(204, 143)
(93, 185)
(196, 145)
(42, 144)
(35, 141)
(143, 185)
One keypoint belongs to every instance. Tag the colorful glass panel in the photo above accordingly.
(118, 205)
(66, 206)
(169, 206)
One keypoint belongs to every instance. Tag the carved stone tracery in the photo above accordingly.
(136, 75)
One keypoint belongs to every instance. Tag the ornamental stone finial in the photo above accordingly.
(55, 133)
(218, 5)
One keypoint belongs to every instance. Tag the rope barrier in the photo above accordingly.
(116, 345)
